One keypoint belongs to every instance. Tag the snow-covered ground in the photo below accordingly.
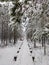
(24, 57)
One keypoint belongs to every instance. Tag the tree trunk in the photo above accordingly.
(48, 41)
(34, 43)
(39, 40)
(6, 34)
(44, 47)
(2, 34)
(42, 41)
(6, 43)
(10, 34)
(14, 36)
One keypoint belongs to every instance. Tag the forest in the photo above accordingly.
(25, 24)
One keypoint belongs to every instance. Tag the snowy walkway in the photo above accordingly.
(24, 55)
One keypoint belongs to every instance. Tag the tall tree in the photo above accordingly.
(16, 13)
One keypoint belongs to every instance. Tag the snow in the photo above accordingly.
(46, 29)
(20, 0)
(11, 23)
(7, 54)
(24, 57)
(25, 54)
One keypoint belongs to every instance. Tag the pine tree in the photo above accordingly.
(16, 15)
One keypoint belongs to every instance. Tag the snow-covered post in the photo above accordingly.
(33, 58)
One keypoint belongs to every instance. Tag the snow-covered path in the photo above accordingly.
(24, 55)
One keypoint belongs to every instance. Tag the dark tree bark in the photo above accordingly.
(42, 41)
(44, 46)
(34, 43)
(2, 33)
(14, 35)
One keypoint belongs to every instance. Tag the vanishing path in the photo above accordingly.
(24, 57)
